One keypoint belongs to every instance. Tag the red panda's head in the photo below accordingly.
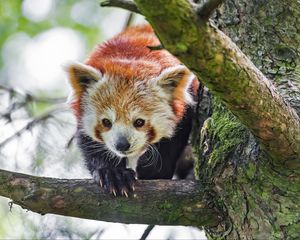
(129, 114)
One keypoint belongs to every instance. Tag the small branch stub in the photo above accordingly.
(206, 7)
(126, 4)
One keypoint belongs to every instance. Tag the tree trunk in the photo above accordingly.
(260, 198)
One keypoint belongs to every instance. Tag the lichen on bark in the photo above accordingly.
(153, 202)
(260, 196)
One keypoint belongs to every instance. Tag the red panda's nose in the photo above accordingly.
(122, 144)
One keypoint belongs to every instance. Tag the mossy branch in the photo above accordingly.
(228, 73)
(153, 202)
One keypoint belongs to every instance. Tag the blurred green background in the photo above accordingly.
(37, 37)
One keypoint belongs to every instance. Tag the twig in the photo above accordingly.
(129, 20)
(28, 97)
(147, 232)
(42, 118)
(156, 48)
(206, 7)
(126, 4)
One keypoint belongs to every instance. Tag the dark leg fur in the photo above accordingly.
(185, 165)
(108, 172)
(113, 175)
(169, 150)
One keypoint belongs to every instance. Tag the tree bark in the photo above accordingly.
(261, 197)
(153, 202)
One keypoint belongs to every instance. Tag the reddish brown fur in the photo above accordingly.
(131, 44)
(115, 56)
(98, 133)
(130, 99)
(151, 134)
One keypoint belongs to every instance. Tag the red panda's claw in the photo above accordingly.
(130, 179)
(124, 192)
(114, 192)
(117, 181)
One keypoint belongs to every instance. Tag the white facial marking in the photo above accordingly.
(137, 139)
(159, 113)
(188, 97)
(89, 120)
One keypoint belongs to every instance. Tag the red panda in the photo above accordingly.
(133, 108)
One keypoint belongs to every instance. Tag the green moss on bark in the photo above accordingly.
(228, 131)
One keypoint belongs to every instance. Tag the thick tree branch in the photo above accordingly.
(153, 202)
(229, 74)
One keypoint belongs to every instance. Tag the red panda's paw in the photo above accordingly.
(117, 181)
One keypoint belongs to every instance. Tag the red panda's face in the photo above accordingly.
(127, 115)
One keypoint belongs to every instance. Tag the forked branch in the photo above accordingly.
(227, 72)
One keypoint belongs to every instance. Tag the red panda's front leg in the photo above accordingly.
(107, 171)
(116, 180)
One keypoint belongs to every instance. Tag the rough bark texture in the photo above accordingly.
(153, 202)
(261, 198)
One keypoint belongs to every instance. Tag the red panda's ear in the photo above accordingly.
(82, 76)
(172, 77)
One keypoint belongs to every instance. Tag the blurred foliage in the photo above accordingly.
(12, 20)
(16, 105)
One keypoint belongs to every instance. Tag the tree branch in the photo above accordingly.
(147, 232)
(34, 122)
(206, 7)
(129, 20)
(153, 202)
(126, 4)
(228, 73)
(28, 97)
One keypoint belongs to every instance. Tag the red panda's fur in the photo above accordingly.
(113, 58)
(123, 81)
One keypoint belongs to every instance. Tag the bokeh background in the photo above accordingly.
(37, 38)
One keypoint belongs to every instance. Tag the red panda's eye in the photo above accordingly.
(106, 123)
(139, 123)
